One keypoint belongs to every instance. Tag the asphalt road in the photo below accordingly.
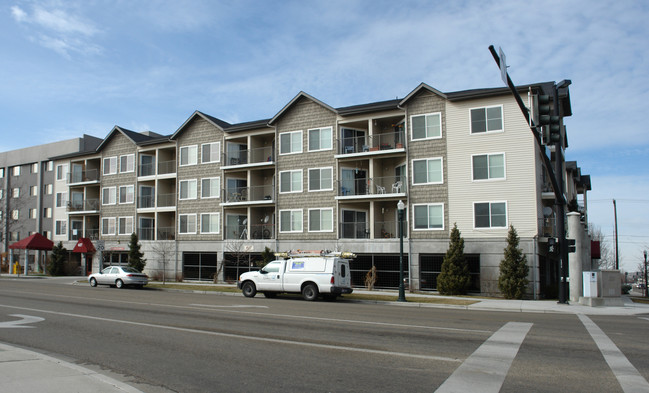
(186, 342)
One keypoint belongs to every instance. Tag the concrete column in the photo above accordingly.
(575, 231)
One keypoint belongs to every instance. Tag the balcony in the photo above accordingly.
(379, 143)
(259, 156)
(86, 205)
(92, 234)
(164, 168)
(388, 186)
(164, 200)
(254, 194)
(389, 229)
(84, 176)
(354, 230)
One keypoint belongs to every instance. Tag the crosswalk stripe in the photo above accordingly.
(485, 370)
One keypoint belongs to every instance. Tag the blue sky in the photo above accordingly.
(73, 67)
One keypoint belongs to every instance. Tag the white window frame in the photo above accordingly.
(60, 227)
(426, 118)
(211, 216)
(186, 216)
(292, 173)
(35, 167)
(111, 168)
(215, 149)
(331, 184)
(190, 196)
(299, 213)
(62, 172)
(428, 206)
(132, 194)
(487, 131)
(112, 196)
(50, 166)
(216, 179)
(15, 214)
(290, 135)
(130, 163)
(321, 210)
(441, 164)
(490, 203)
(33, 190)
(61, 199)
(112, 224)
(127, 220)
(33, 214)
(320, 140)
(15, 192)
(47, 212)
(489, 177)
(15, 171)
(48, 189)
(192, 159)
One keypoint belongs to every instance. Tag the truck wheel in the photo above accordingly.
(249, 289)
(310, 292)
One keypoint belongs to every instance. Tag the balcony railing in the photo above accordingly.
(92, 234)
(249, 194)
(166, 233)
(372, 143)
(83, 176)
(164, 167)
(354, 230)
(389, 229)
(249, 156)
(372, 186)
(164, 200)
(84, 205)
(146, 233)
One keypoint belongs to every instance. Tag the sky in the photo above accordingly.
(72, 67)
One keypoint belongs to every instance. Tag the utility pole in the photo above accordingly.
(617, 258)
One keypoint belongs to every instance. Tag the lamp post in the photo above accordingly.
(402, 292)
(646, 291)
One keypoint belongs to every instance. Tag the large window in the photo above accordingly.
(210, 152)
(108, 196)
(290, 181)
(320, 139)
(61, 171)
(108, 226)
(60, 227)
(321, 220)
(187, 223)
(489, 166)
(427, 171)
(188, 189)
(290, 142)
(290, 220)
(125, 225)
(110, 166)
(126, 194)
(320, 179)
(489, 119)
(210, 222)
(429, 216)
(188, 155)
(61, 199)
(211, 187)
(127, 163)
(427, 126)
(490, 214)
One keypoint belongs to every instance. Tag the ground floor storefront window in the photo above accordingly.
(387, 269)
(430, 266)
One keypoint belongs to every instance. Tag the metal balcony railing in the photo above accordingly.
(248, 194)
(83, 176)
(372, 186)
(248, 156)
(370, 143)
(389, 229)
(84, 205)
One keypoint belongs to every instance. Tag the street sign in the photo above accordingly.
(503, 66)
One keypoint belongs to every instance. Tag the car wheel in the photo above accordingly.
(93, 282)
(270, 295)
(310, 292)
(249, 289)
(119, 283)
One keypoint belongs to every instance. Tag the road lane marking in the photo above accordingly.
(24, 319)
(628, 376)
(646, 319)
(485, 370)
(245, 337)
(222, 306)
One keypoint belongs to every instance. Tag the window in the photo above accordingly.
(15, 192)
(188, 189)
(108, 226)
(15, 171)
(50, 166)
(47, 212)
(427, 126)
(2, 193)
(290, 220)
(47, 190)
(127, 163)
(321, 220)
(110, 166)
(430, 216)
(489, 166)
(290, 181)
(35, 167)
(60, 227)
(33, 213)
(61, 199)
(125, 225)
(489, 119)
(427, 171)
(290, 142)
(320, 139)
(490, 214)
(15, 214)
(211, 187)
(187, 223)
(320, 179)
(2, 173)
(188, 155)
(126, 194)
(33, 190)
(108, 196)
(210, 152)
(210, 222)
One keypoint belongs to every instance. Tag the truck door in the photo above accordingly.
(342, 276)
(270, 277)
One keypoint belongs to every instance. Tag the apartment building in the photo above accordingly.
(207, 199)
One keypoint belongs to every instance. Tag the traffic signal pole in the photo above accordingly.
(557, 185)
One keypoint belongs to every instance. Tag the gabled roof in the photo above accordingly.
(135, 137)
(218, 123)
(33, 242)
(296, 99)
(366, 108)
(418, 89)
(248, 125)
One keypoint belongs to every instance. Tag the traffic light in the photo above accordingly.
(552, 245)
(550, 124)
(571, 245)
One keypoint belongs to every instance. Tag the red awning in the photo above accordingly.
(33, 242)
(84, 245)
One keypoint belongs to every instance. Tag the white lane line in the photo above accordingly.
(485, 370)
(646, 319)
(220, 306)
(244, 337)
(628, 376)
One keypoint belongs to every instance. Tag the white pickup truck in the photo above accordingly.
(311, 274)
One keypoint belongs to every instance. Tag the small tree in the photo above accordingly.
(135, 259)
(454, 278)
(56, 267)
(513, 268)
(267, 256)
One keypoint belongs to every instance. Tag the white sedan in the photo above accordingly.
(119, 276)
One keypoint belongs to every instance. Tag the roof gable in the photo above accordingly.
(133, 136)
(422, 86)
(218, 123)
(299, 96)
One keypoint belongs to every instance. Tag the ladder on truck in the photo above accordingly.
(315, 253)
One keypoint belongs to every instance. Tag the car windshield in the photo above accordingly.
(129, 270)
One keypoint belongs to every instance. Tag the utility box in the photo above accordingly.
(590, 284)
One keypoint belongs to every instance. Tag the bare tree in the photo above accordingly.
(165, 251)
(237, 251)
(607, 256)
